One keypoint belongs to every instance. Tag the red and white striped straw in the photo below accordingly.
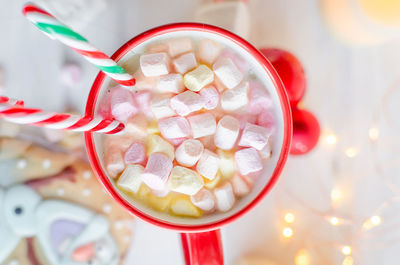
(13, 111)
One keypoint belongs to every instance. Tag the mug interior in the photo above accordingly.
(128, 57)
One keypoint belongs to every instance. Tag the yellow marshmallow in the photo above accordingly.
(156, 144)
(198, 78)
(211, 184)
(182, 206)
(227, 165)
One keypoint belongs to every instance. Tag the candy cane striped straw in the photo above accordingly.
(16, 113)
(53, 28)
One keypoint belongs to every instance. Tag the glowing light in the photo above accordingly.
(373, 133)
(331, 139)
(334, 221)
(336, 194)
(287, 232)
(302, 258)
(351, 151)
(348, 261)
(346, 250)
(289, 218)
(376, 220)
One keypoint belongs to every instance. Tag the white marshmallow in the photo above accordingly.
(198, 78)
(210, 97)
(266, 152)
(208, 164)
(189, 152)
(160, 106)
(225, 199)
(179, 46)
(209, 51)
(170, 83)
(154, 64)
(114, 161)
(184, 180)
(157, 170)
(236, 98)
(240, 186)
(174, 127)
(254, 136)
(227, 132)
(202, 124)
(204, 199)
(131, 178)
(248, 161)
(157, 144)
(227, 72)
(185, 63)
(186, 103)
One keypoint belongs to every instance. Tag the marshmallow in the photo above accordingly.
(136, 127)
(159, 203)
(161, 193)
(114, 161)
(227, 165)
(266, 119)
(239, 62)
(186, 103)
(185, 63)
(208, 142)
(152, 128)
(104, 109)
(266, 152)
(254, 136)
(208, 164)
(179, 46)
(208, 51)
(202, 124)
(174, 127)
(248, 161)
(198, 78)
(135, 154)
(236, 98)
(210, 97)
(182, 206)
(245, 118)
(184, 180)
(225, 199)
(131, 178)
(227, 132)
(177, 141)
(189, 152)
(160, 106)
(157, 144)
(123, 104)
(170, 83)
(142, 99)
(158, 47)
(204, 199)
(259, 99)
(227, 72)
(218, 84)
(154, 64)
(144, 82)
(240, 186)
(157, 171)
(122, 142)
(211, 184)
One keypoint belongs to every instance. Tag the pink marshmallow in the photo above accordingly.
(157, 171)
(209, 51)
(174, 127)
(210, 97)
(235, 99)
(225, 199)
(177, 141)
(135, 154)
(244, 119)
(185, 63)
(259, 99)
(240, 63)
(208, 164)
(154, 64)
(254, 136)
(170, 83)
(248, 161)
(240, 186)
(227, 72)
(114, 161)
(204, 199)
(160, 107)
(179, 46)
(186, 103)
(143, 99)
(123, 104)
(227, 132)
(144, 82)
(266, 119)
(202, 125)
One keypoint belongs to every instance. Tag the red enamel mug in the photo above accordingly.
(201, 239)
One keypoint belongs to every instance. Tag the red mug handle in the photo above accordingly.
(204, 248)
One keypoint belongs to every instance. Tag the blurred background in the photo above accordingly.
(338, 204)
